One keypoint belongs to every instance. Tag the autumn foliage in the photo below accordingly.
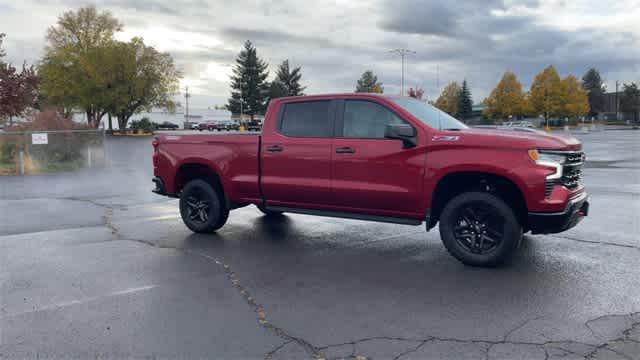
(18, 89)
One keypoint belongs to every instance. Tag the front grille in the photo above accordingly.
(571, 172)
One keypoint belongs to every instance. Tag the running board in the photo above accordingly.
(345, 215)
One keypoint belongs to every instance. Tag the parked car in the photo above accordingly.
(228, 125)
(195, 126)
(381, 158)
(166, 125)
(521, 124)
(254, 125)
(209, 125)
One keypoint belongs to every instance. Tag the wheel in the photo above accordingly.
(201, 207)
(269, 212)
(480, 229)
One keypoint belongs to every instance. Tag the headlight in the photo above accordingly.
(547, 159)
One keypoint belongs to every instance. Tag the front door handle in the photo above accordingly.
(345, 150)
(275, 148)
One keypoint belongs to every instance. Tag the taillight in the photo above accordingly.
(155, 144)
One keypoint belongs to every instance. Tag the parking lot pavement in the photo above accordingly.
(93, 264)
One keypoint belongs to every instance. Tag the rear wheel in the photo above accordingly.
(480, 229)
(201, 207)
(269, 212)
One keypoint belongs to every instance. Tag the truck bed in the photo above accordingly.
(234, 157)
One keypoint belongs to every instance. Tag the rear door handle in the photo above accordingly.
(345, 150)
(275, 148)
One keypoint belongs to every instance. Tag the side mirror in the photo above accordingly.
(403, 132)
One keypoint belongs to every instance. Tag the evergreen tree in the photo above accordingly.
(592, 83)
(630, 101)
(368, 83)
(287, 82)
(464, 102)
(248, 83)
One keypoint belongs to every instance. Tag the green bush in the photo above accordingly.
(8, 152)
(143, 125)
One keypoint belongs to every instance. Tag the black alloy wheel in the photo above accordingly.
(201, 207)
(480, 229)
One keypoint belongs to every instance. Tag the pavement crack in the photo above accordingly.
(520, 326)
(263, 320)
(407, 352)
(276, 349)
(596, 242)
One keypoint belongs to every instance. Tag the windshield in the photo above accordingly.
(430, 115)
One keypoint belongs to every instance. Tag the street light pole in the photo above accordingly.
(186, 98)
(402, 53)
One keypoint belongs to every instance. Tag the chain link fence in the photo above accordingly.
(37, 152)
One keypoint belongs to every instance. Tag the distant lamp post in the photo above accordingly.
(402, 53)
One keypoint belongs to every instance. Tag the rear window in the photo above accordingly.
(306, 119)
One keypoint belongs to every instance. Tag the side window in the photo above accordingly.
(306, 119)
(366, 119)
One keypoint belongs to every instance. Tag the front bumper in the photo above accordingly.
(549, 223)
(159, 186)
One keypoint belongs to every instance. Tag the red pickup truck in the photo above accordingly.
(381, 158)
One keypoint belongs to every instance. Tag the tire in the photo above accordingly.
(269, 212)
(470, 220)
(211, 213)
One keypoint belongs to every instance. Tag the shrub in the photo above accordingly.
(8, 152)
(145, 125)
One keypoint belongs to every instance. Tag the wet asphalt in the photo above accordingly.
(92, 264)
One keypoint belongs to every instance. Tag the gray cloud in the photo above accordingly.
(334, 42)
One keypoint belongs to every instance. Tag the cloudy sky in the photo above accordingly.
(334, 41)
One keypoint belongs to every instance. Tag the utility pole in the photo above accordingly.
(186, 98)
(402, 53)
(616, 100)
(437, 79)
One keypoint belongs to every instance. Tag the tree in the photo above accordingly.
(73, 55)
(417, 93)
(448, 99)
(574, 99)
(249, 88)
(465, 103)
(287, 82)
(18, 90)
(82, 30)
(545, 98)
(138, 77)
(506, 99)
(368, 83)
(595, 89)
(630, 100)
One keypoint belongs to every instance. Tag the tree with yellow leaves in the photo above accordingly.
(448, 99)
(506, 99)
(545, 96)
(574, 99)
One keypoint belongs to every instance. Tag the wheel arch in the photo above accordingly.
(191, 170)
(455, 183)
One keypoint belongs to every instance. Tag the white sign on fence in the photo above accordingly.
(40, 139)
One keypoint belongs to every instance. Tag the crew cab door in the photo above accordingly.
(296, 154)
(372, 174)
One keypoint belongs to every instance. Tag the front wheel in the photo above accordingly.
(480, 229)
(201, 207)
